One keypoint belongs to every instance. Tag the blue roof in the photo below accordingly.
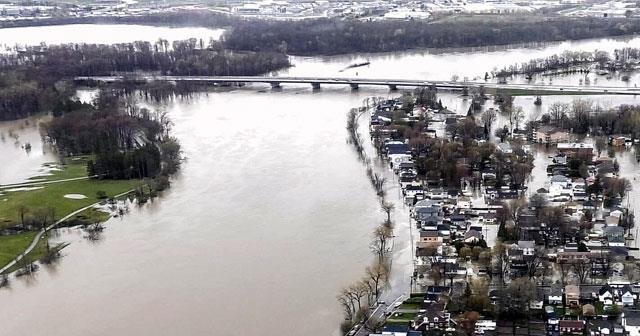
(395, 328)
(397, 148)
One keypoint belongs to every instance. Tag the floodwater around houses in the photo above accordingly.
(270, 216)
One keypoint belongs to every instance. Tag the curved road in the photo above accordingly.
(36, 239)
(37, 183)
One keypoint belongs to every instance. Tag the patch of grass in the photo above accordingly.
(410, 306)
(52, 196)
(533, 92)
(11, 246)
(415, 299)
(72, 168)
(391, 323)
(402, 317)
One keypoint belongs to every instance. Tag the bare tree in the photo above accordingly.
(564, 271)
(558, 111)
(605, 262)
(582, 269)
(534, 262)
(519, 294)
(374, 325)
(347, 304)
(485, 259)
(501, 260)
(381, 236)
(22, 210)
(516, 117)
(631, 271)
(378, 276)
(488, 118)
(580, 110)
(387, 208)
(515, 208)
(4, 280)
(539, 202)
(601, 144)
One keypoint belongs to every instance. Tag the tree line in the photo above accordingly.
(338, 36)
(582, 117)
(125, 141)
(622, 59)
(334, 36)
(33, 79)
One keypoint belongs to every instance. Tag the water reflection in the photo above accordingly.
(270, 216)
(17, 162)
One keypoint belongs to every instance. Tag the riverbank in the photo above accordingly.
(55, 193)
(292, 36)
(480, 225)
(29, 210)
(270, 184)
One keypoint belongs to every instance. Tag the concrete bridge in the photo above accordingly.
(355, 83)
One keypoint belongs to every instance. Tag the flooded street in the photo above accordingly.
(269, 217)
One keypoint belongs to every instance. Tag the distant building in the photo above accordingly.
(550, 135)
(573, 148)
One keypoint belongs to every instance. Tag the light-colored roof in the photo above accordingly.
(575, 145)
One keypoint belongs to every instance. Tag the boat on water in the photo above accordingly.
(356, 65)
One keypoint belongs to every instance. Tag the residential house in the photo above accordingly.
(550, 135)
(572, 149)
(432, 316)
(472, 236)
(614, 235)
(572, 295)
(574, 256)
(430, 237)
(620, 141)
(482, 326)
(395, 330)
(610, 295)
(597, 327)
(554, 295)
(627, 296)
(567, 327)
(560, 159)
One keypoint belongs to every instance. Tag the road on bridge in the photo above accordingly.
(355, 83)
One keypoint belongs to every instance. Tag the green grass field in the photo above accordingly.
(52, 195)
(75, 167)
(12, 246)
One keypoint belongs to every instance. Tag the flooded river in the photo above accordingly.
(270, 216)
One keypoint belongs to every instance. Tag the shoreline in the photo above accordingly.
(156, 20)
(42, 232)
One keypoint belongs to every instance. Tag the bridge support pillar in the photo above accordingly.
(315, 86)
(393, 87)
(354, 86)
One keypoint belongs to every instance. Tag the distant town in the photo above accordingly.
(273, 9)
